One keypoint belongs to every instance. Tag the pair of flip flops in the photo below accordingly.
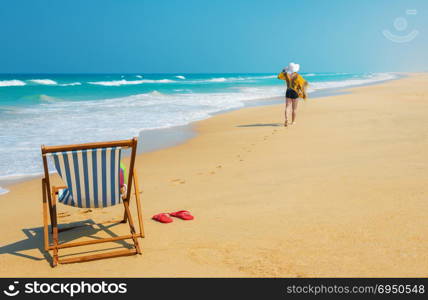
(165, 217)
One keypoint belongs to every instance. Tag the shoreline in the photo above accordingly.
(162, 138)
(340, 194)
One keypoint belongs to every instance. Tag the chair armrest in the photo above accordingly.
(55, 189)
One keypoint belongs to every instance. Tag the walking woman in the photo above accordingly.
(296, 88)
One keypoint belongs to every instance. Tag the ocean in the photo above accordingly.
(55, 109)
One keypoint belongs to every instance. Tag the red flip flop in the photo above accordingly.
(162, 217)
(182, 214)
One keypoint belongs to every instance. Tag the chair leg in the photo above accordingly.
(51, 216)
(45, 217)
(131, 226)
(128, 218)
(139, 208)
(55, 233)
(125, 217)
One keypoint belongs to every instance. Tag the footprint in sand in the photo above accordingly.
(85, 211)
(63, 214)
(239, 156)
(212, 173)
(219, 167)
(178, 181)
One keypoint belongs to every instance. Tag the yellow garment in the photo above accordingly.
(297, 83)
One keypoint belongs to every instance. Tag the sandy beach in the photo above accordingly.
(343, 193)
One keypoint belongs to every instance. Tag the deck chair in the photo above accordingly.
(91, 174)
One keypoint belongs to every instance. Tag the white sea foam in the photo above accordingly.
(44, 81)
(139, 76)
(220, 79)
(3, 191)
(232, 79)
(180, 77)
(326, 74)
(11, 83)
(261, 77)
(116, 82)
(370, 78)
(155, 93)
(64, 121)
(46, 98)
(159, 81)
(70, 84)
(128, 82)
(183, 90)
(15, 178)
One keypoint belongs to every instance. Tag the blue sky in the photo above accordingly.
(200, 36)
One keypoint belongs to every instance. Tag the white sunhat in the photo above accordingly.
(292, 67)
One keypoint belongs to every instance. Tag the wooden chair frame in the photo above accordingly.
(50, 196)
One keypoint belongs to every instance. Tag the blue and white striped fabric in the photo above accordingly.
(91, 176)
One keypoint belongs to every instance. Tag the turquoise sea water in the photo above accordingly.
(54, 109)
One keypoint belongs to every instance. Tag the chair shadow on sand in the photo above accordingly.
(260, 125)
(68, 232)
